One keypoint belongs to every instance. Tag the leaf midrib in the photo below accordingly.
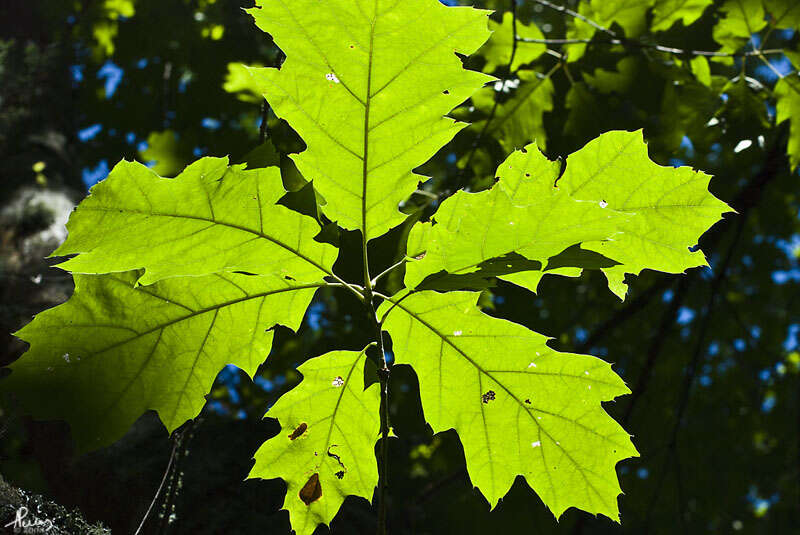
(196, 313)
(217, 222)
(528, 410)
(365, 159)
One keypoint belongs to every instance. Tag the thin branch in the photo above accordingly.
(357, 290)
(626, 313)
(691, 370)
(656, 345)
(167, 471)
(427, 194)
(766, 62)
(263, 132)
(653, 46)
(477, 141)
(493, 112)
(383, 375)
(576, 15)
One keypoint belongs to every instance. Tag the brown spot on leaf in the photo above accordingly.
(488, 396)
(420, 256)
(312, 490)
(299, 431)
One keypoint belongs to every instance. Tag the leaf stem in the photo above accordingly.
(358, 291)
(383, 375)
(386, 272)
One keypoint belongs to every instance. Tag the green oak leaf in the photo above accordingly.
(701, 69)
(618, 81)
(668, 12)
(518, 406)
(787, 91)
(168, 152)
(783, 13)
(742, 19)
(523, 213)
(577, 29)
(239, 82)
(519, 119)
(117, 349)
(629, 14)
(497, 51)
(210, 218)
(358, 72)
(329, 425)
(670, 208)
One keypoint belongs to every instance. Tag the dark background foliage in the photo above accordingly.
(711, 356)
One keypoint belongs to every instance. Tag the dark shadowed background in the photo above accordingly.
(712, 356)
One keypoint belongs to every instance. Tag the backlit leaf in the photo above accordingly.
(498, 49)
(784, 13)
(742, 18)
(333, 457)
(210, 218)
(629, 14)
(668, 12)
(787, 92)
(356, 73)
(519, 407)
(670, 208)
(116, 350)
(523, 213)
(519, 119)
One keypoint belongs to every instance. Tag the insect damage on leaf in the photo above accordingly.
(342, 425)
(233, 262)
(298, 431)
(312, 490)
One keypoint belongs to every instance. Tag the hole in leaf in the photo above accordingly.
(488, 396)
(445, 92)
(334, 456)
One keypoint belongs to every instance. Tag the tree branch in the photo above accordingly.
(652, 46)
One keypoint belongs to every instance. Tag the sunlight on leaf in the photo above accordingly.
(518, 406)
(333, 456)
